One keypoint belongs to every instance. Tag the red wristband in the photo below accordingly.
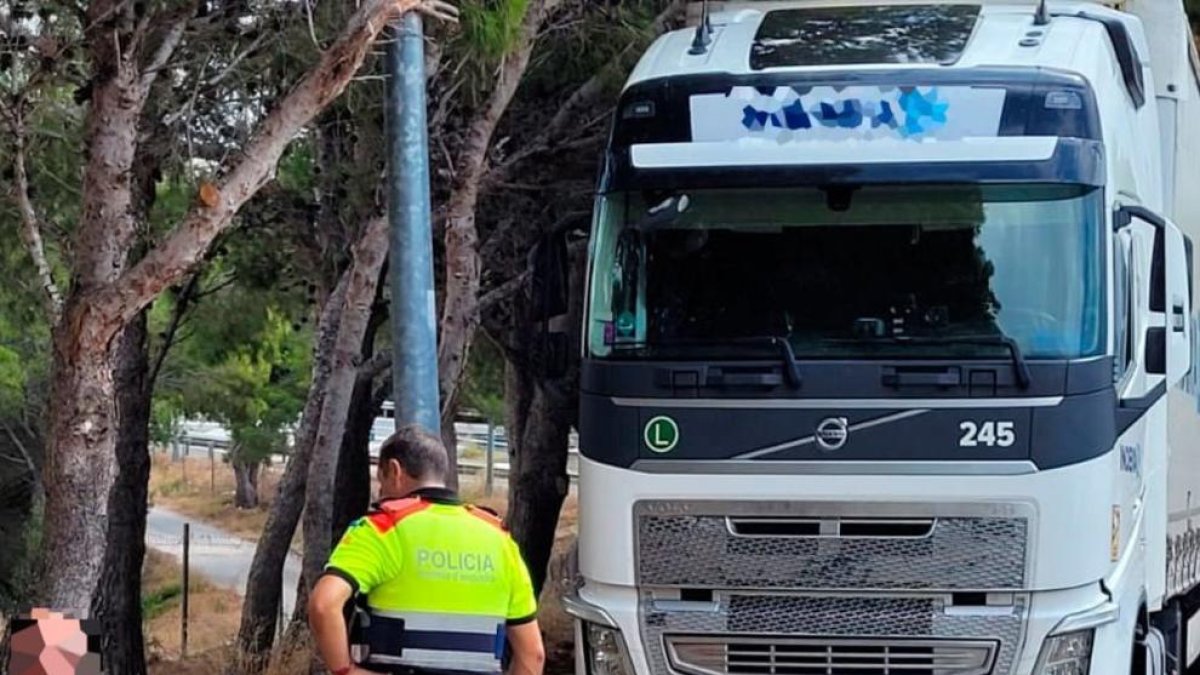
(344, 670)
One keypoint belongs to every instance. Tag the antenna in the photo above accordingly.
(1041, 16)
(703, 32)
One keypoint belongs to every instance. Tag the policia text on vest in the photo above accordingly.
(445, 586)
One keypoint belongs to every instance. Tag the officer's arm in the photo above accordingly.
(529, 655)
(325, 606)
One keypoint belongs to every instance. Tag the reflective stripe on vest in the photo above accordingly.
(461, 642)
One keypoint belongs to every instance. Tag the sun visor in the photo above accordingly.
(790, 114)
(911, 125)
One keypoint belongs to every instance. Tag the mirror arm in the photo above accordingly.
(1126, 214)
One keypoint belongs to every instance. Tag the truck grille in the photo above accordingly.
(736, 655)
(793, 546)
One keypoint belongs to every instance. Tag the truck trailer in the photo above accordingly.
(889, 346)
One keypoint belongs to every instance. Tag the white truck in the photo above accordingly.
(889, 343)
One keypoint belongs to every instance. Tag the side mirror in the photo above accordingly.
(550, 265)
(1168, 346)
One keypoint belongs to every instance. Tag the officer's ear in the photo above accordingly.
(391, 469)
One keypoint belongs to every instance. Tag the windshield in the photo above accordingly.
(849, 272)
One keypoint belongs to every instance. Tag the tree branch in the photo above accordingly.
(503, 292)
(237, 59)
(462, 262)
(586, 95)
(34, 476)
(169, 337)
(166, 48)
(31, 233)
(185, 246)
(378, 365)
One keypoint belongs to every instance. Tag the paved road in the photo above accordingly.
(222, 557)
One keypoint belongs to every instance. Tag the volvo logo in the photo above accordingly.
(832, 432)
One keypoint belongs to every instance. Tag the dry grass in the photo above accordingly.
(213, 615)
(205, 490)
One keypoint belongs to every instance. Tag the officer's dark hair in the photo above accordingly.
(420, 453)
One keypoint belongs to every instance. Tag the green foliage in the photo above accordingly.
(158, 602)
(483, 385)
(490, 28)
(242, 363)
(12, 379)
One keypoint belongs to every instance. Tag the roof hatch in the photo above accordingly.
(883, 34)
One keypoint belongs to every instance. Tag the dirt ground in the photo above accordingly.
(214, 613)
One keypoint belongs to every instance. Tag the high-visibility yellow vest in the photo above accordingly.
(442, 581)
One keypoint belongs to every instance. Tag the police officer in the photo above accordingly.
(445, 584)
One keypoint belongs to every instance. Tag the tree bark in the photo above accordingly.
(542, 412)
(369, 254)
(117, 602)
(245, 494)
(186, 244)
(31, 231)
(538, 481)
(460, 315)
(81, 451)
(264, 586)
(80, 467)
(352, 491)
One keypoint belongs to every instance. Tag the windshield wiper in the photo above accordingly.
(1020, 367)
(790, 371)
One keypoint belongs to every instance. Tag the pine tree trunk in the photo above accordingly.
(80, 464)
(460, 310)
(370, 251)
(352, 491)
(538, 481)
(104, 297)
(264, 587)
(245, 475)
(118, 600)
(539, 413)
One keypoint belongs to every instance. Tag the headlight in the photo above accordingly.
(606, 651)
(1066, 654)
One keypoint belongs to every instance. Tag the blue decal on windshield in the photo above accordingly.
(922, 111)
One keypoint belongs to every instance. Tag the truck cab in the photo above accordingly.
(888, 346)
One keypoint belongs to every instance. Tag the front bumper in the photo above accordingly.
(984, 642)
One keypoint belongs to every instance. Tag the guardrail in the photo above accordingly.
(212, 446)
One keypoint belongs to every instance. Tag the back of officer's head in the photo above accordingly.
(412, 457)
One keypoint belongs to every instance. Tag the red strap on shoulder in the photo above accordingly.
(487, 516)
(393, 511)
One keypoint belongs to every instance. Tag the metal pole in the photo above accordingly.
(414, 330)
(187, 535)
(491, 459)
(212, 468)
